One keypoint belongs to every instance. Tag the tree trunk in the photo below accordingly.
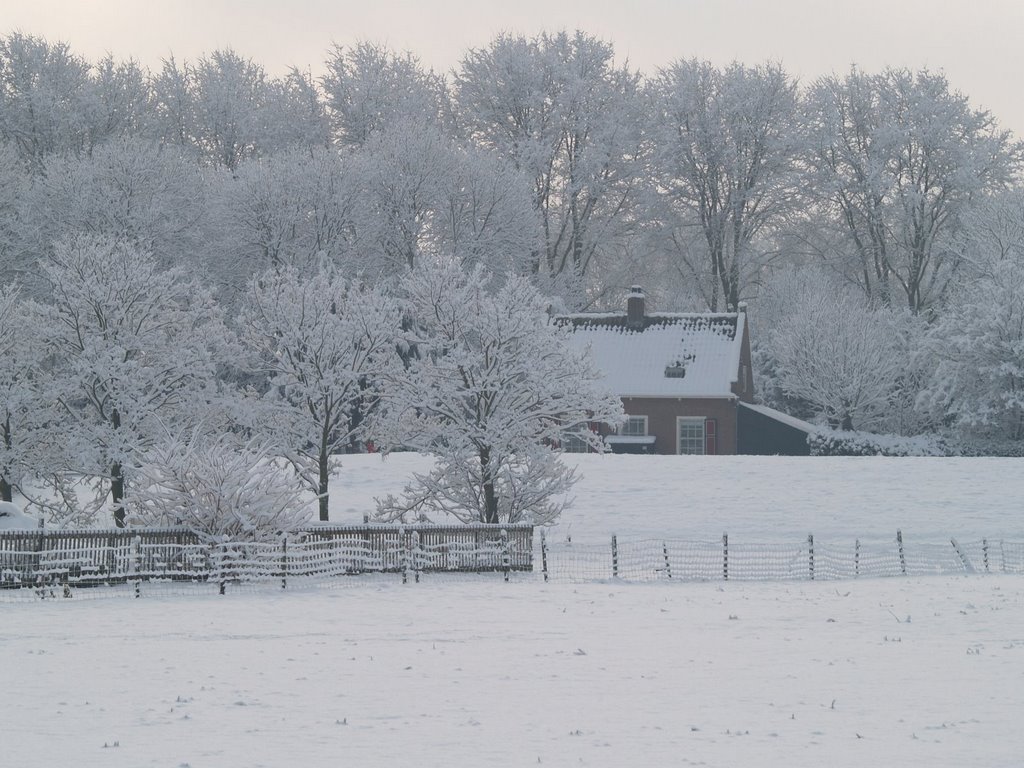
(490, 497)
(322, 490)
(117, 478)
(5, 486)
(117, 493)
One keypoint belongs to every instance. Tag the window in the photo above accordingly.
(573, 442)
(691, 435)
(635, 426)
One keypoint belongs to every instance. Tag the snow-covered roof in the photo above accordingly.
(665, 355)
(784, 418)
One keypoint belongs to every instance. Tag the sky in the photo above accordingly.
(977, 43)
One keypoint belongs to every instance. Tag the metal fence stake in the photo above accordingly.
(903, 556)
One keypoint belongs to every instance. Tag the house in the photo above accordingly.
(685, 381)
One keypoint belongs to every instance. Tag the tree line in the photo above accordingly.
(874, 222)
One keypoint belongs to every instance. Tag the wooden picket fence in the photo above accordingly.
(83, 558)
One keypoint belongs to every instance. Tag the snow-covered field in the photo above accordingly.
(473, 671)
(755, 498)
(881, 672)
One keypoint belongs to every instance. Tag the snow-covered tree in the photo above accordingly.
(325, 345)
(132, 352)
(568, 118)
(492, 386)
(220, 489)
(44, 97)
(119, 103)
(225, 108)
(295, 209)
(14, 186)
(423, 196)
(895, 159)
(23, 407)
(835, 353)
(726, 148)
(368, 88)
(977, 352)
(126, 189)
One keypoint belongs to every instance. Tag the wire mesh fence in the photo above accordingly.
(728, 559)
(134, 563)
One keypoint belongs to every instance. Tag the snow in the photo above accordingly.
(466, 671)
(479, 672)
(634, 362)
(753, 498)
(13, 519)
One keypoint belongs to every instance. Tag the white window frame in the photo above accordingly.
(691, 421)
(572, 442)
(625, 431)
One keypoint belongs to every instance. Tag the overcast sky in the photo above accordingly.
(978, 43)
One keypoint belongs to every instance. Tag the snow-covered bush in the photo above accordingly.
(219, 489)
(846, 443)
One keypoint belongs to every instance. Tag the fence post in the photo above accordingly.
(725, 556)
(810, 553)
(856, 558)
(222, 568)
(284, 561)
(110, 564)
(903, 556)
(984, 553)
(506, 553)
(134, 560)
(544, 553)
(404, 542)
(668, 565)
(615, 557)
(960, 554)
(416, 557)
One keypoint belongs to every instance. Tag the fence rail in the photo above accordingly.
(47, 559)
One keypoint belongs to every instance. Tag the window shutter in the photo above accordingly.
(710, 437)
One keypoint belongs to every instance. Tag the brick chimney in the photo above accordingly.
(635, 308)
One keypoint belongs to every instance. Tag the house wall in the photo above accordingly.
(661, 413)
(761, 435)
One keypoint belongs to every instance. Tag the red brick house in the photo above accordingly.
(683, 377)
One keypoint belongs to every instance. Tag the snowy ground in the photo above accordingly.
(483, 673)
(472, 671)
(755, 498)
